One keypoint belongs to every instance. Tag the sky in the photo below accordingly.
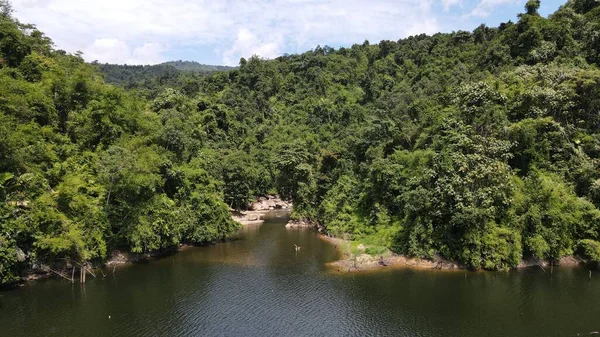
(221, 31)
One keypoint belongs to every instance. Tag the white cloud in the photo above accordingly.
(451, 3)
(427, 26)
(146, 31)
(117, 51)
(485, 7)
(248, 44)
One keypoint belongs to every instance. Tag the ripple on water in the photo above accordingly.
(259, 286)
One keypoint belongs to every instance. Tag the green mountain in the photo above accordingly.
(197, 67)
(480, 147)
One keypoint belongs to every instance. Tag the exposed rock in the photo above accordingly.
(269, 202)
(532, 262)
(21, 257)
(248, 218)
(571, 261)
(364, 262)
(302, 223)
(564, 261)
(257, 209)
(118, 257)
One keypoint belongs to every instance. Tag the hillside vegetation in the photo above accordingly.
(480, 147)
(150, 79)
(197, 67)
(87, 167)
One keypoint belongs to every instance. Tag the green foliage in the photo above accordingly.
(591, 249)
(296, 179)
(538, 246)
(532, 7)
(501, 248)
(86, 167)
(338, 209)
(8, 258)
(553, 218)
(479, 147)
(243, 179)
(149, 80)
(197, 67)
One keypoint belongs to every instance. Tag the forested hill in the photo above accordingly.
(197, 67)
(481, 147)
(148, 79)
(87, 167)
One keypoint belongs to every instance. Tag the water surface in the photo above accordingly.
(258, 285)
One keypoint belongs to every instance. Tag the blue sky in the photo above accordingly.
(222, 31)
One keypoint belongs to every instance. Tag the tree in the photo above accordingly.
(480, 147)
(532, 6)
(6, 9)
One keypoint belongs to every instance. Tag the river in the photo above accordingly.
(258, 285)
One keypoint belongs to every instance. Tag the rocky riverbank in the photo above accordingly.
(361, 261)
(302, 223)
(565, 261)
(248, 217)
(269, 203)
(259, 208)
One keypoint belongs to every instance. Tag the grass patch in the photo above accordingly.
(376, 250)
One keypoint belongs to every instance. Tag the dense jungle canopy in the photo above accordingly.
(481, 147)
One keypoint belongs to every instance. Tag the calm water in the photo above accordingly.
(259, 286)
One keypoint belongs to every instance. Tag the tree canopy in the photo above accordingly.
(482, 147)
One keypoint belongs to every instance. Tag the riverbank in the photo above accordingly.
(361, 261)
(260, 208)
(67, 270)
(302, 224)
(118, 257)
(355, 259)
(261, 270)
(246, 218)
